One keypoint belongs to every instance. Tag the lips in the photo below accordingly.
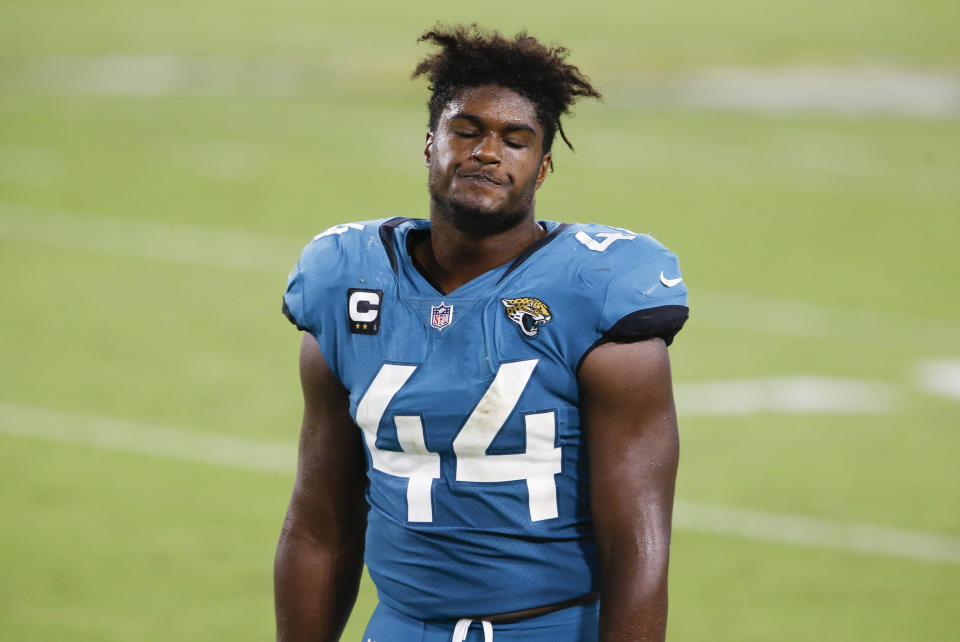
(484, 178)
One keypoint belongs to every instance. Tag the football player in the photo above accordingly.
(489, 420)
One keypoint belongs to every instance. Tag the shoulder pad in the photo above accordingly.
(644, 292)
(330, 257)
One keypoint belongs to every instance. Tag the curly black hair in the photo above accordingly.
(472, 56)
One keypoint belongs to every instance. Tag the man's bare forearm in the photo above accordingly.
(634, 590)
(315, 586)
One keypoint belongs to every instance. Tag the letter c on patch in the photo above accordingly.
(364, 305)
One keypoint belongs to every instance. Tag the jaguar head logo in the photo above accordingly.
(528, 313)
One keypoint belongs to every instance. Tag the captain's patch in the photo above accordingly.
(528, 313)
(363, 309)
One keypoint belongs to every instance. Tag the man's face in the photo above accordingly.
(485, 159)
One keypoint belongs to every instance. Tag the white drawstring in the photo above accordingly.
(462, 628)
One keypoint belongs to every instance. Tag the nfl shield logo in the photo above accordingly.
(441, 316)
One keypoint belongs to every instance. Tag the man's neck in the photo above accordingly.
(453, 258)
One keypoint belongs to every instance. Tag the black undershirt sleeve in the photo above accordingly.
(664, 322)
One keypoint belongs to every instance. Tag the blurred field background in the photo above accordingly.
(161, 165)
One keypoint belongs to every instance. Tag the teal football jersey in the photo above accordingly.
(469, 405)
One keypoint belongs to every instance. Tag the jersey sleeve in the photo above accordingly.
(293, 298)
(647, 300)
(306, 302)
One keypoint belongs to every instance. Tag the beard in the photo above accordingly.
(479, 221)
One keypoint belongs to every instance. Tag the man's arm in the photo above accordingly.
(631, 429)
(320, 555)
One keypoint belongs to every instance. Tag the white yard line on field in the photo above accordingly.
(794, 88)
(147, 439)
(246, 251)
(792, 318)
(793, 394)
(169, 75)
(940, 377)
(815, 532)
(257, 455)
(915, 92)
(128, 237)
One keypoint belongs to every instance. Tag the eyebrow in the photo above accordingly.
(509, 128)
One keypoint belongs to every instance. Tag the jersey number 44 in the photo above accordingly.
(537, 465)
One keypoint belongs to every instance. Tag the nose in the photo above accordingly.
(488, 150)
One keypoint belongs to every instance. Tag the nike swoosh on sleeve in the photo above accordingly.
(669, 282)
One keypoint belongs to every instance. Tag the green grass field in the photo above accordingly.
(161, 166)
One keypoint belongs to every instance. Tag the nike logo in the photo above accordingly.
(669, 282)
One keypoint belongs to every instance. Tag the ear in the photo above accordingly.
(544, 168)
(426, 148)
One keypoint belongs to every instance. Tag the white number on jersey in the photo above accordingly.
(608, 239)
(415, 461)
(338, 229)
(536, 465)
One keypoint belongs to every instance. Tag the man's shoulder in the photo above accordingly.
(607, 250)
(345, 237)
(610, 240)
(636, 279)
(348, 247)
(343, 258)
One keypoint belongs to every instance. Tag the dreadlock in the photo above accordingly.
(471, 56)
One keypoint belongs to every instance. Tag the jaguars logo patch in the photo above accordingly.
(528, 313)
